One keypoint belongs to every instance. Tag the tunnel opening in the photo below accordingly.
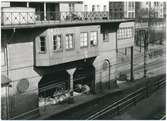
(53, 88)
(84, 77)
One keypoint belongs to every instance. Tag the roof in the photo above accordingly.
(47, 1)
(68, 23)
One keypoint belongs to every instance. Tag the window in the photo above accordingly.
(104, 8)
(133, 5)
(85, 7)
(98, 7)
(42, 44)
(57, 43)
(71, 7)
(125, 33)
(105, 36)
(18, 4)
(129, 6)
(2, 57)
(133, 15)
(93, 38)
(93, 8)
(84, 39)
(69, 41)
(154, 3)
(129, 16)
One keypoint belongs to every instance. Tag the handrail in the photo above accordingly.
(21, 18)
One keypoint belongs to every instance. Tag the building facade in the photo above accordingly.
(122, 9)
(98, 5)
(129, 9)
(153, 9)
(150, 15)
(51, 47)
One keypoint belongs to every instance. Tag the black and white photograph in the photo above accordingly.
(83, 60)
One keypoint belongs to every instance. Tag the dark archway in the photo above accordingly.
(85, 74)
(57, 81)
(107, 67)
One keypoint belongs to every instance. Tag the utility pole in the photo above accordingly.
(146, 41)
(131, 75)
(8, 104)
(145, 53)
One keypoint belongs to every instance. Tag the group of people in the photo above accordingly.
(59, 96)
(85, 89)
(62, 96)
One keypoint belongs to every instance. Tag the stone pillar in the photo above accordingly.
(44, 11)
(71, 72)
(27, 4)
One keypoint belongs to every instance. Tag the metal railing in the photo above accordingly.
(14, 18)
(132, 99)
(18, 18)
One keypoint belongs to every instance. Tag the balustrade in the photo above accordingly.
(19, 18)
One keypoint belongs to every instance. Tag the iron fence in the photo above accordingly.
(17, 18)
(13, 18)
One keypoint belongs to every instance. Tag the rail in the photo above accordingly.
(117, 107)
(163, 118)
(50, 86)
(20, 116)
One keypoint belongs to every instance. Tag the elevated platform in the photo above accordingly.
(39, 24)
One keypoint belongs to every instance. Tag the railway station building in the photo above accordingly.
(50, 47)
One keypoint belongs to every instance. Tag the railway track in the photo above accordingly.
(163, 118)
(92, 109)
(130, 100)
(150, 66)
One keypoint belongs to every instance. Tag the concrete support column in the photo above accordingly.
(45, 11)
(27, 4)
(71, 72)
